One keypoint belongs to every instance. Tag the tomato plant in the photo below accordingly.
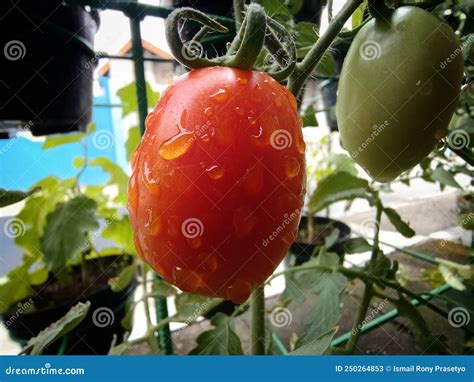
(219, 170)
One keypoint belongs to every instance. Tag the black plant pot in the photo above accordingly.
(302, 251)
(47, 69)
(95, 333)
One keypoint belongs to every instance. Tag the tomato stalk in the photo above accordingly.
(150, 333)
(304, 69)
(378, 9)
(369, 287)
(257, 306)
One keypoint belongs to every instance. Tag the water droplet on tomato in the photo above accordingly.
(239, 111)
(173, 226)
(195, 242)
(208, 111)
(215, 172)
(300, 145)
(277, 101)
(258, 133)
(209, 263)
(242, 81)
(292, 167)
(205, 138)
(244, 221)
(220, 96)
(151, 183)
(186, 279)
(177, 146)
(133, 192)
(253, 180)
(155, 225)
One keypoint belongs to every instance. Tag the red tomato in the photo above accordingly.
(218, 182)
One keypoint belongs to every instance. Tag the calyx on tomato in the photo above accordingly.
(398, 90)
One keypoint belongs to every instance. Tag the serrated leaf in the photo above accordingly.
(335, 187)
(318, 346)
(401, 226)
(221, 340)
(124, 278)
(444, 177)
(132, 141)
(128, 98)
(65, 233)
(58, 329)
(11, 197)
(357, 245)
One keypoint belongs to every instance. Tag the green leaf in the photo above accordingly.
(189, 307)
(357, 15)
(309, 117)
(326, 66)
(336, 187)
(118, 177)
(132, 141)
(398, 223)
(58, 329)
(62, 139)
(305, 37)
(15, 286)
(120, 231)
(276, 9)
(11, 197)
(341, 162)
(128, 98)
(78, 162)
(221, 340)
(163, 289)
(123, 280)
(357, 245)
(325, 313)
(318, 346)
(66, 230)
(295, 6)
(331, 239)
(444, 177)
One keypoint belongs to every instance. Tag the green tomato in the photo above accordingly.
(398, 90)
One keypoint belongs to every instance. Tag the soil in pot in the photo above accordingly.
(52, 300)
(303, 248)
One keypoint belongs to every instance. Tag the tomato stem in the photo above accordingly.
(369, 287)
(257, 306)
(379, 10)
(304, 69)
(239, 11)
